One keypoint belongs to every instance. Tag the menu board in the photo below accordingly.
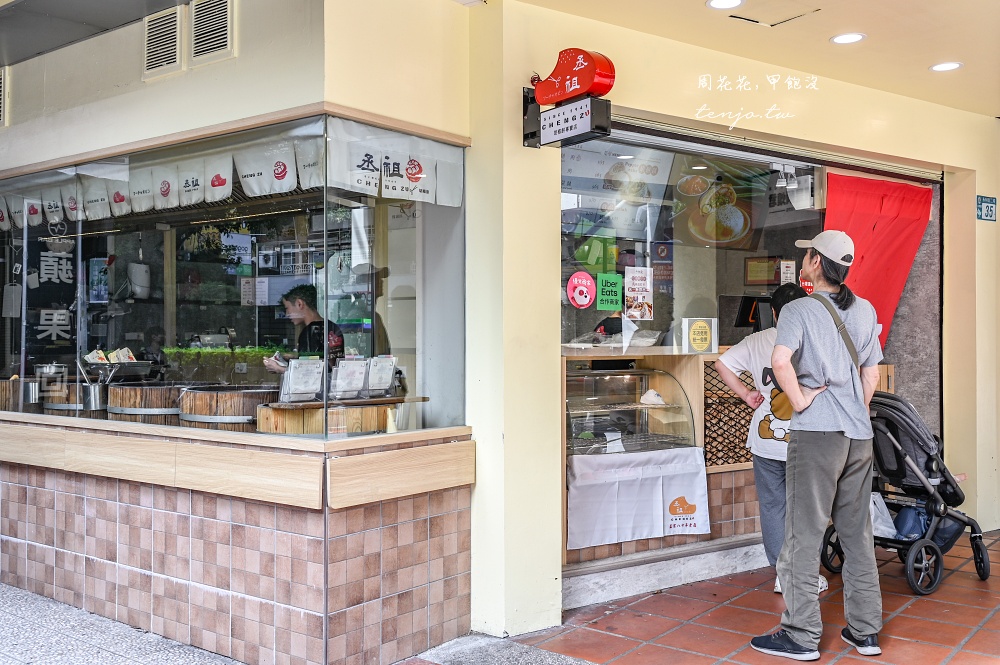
(380, 372)
(302, 380)
(351, 375)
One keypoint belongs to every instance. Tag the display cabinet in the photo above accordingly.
(625, 411)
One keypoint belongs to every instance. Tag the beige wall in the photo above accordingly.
(401, 59)
(513, 206)
(90, 95)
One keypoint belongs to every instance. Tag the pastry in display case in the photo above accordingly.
(625, 411)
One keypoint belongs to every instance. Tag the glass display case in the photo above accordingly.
(628, 410)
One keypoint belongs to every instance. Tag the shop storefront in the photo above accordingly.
(223, 361)
(416, 480)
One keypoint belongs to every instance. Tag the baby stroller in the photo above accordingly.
(921, 492)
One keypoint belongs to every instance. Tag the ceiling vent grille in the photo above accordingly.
(211, 30)
(162, 43)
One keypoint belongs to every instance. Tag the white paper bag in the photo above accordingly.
(165, 187)
(309, 159)
(33, 208)
(121, 197)
(882, 524)
(219, 174)
(52, 204)
(140, 185)
(96, 203)
(4, 216)
(267, 168)
(191, 176)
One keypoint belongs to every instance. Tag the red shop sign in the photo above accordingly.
(577, 73)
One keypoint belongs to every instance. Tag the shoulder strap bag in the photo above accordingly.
(841, 327)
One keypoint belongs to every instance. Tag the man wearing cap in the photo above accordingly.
(829, 468)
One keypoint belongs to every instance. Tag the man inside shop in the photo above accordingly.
(300, 308)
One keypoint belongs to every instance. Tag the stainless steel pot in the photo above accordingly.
(30, 391)
(50, 369)
(95, 396)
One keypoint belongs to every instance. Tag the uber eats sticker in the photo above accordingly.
(609, 291)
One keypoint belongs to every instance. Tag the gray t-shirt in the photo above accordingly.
(820, 357)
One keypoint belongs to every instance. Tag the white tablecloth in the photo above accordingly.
(629, 496)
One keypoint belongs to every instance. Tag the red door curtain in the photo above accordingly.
(887, 221)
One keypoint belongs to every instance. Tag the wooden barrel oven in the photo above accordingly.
(152, 402)
(76, 399)
(10, 395)
(227, 408)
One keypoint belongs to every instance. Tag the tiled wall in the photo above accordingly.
(732, 510)
(254, 581)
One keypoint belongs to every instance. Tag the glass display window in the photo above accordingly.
(178, 285)
(655, 234)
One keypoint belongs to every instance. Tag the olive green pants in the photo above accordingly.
(828, 476)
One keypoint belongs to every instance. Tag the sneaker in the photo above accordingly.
(780, 644)
(866, 646)
(822, 585)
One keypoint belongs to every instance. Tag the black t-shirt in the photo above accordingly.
(311, 339)
(611, 325)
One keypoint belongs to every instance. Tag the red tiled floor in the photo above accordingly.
(650, 654)
(704, 640)
(974, 659)
(904, 652)
(638, 625)
(926, 608)
(589, 645)
(751, 579)
(922, 630)
(740, 620)
(532, 639)
(985, 642)
(766, 601)
(709, 591)
(713, 621)
(673, 607)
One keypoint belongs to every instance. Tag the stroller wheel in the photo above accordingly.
(924, 566)
(832, 555)
(981, 557)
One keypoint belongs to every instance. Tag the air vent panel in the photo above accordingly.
(211, 30)
(162, 43)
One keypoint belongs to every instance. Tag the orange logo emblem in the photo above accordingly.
(680, 506)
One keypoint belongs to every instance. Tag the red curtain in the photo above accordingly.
(887, 221)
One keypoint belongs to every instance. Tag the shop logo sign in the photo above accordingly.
(218, 180)
(71, 201)
(414, 171)
(680, 506)
(165, 188)
(118, 197)
(280, 170)
(577, 73)
(32, 209)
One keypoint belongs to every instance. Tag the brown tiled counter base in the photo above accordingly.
(259, 582)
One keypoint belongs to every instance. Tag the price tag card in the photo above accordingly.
(350, 377)
(302, 380)
(380, 371)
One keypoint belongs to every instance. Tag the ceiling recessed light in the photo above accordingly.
(626, 156)
(946, 66)
(724, 4)
(848, 38)
(700, 167)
